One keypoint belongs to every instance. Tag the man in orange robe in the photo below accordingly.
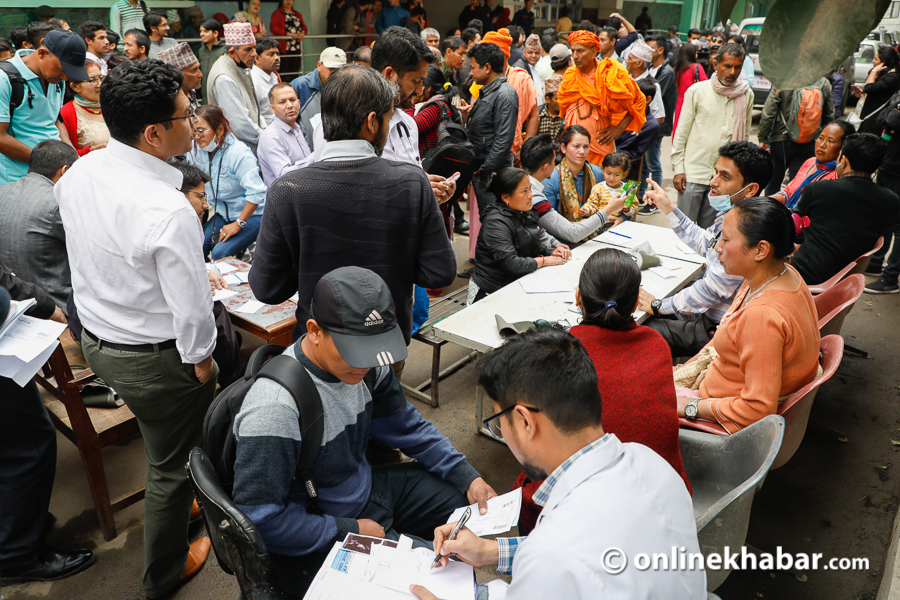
(599, 95)
(522, 82)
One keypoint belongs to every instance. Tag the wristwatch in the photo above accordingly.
(655, 306)
(242, 223)
(691, 410)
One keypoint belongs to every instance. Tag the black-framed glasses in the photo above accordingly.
(201, 195)
(493, 424)
(191, 115)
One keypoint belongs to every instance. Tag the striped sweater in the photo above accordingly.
(267, 436)
(714, 293)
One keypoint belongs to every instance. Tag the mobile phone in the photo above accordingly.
(451, 179)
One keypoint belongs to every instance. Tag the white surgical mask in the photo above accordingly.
(211, 147)
(723, 203)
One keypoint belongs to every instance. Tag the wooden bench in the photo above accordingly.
(90, 429)
(438, 309)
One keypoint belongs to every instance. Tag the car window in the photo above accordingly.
(873, 36)
(866, 53)
(751, 33)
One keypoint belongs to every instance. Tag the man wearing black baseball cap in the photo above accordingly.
(60, 57)
(352, 329)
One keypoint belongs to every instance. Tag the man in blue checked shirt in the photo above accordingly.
(689, 319)
(600, 497)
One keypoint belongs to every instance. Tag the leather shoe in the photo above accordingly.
(195, 511)
(462, 227)
(465, 273)
(49, 565)
(196, 558)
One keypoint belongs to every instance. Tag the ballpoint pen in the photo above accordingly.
(460, 525)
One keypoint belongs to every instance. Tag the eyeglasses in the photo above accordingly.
(192, 115)
(201, 195)
(97, 80)
(199, 131)
(493, 424)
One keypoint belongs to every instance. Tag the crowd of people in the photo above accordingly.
(343, 188)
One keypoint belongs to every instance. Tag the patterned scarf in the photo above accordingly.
(738, 93)
(820, 171)
(570, 200)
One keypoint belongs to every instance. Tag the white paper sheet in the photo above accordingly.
(251, 306)
(548, 285)
(221, 267)
(662, 272)
(497, 589)
(28, 370)
(222, 294)
(397, 569)
(502, 514)
(232, 279)
(652, 289)
(685, 249)
(29, 337)
(616, 239)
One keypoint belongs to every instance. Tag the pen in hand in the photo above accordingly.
(460, 525)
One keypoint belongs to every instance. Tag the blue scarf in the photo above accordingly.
(821, 171)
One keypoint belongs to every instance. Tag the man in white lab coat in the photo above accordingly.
(605, 502)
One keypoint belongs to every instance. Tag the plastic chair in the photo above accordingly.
(835, 304)
(795, 409)
(827, 285)
(725, 474)
(239, 547)
(862, 263)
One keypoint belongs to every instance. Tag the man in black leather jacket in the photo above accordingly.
(492, 121)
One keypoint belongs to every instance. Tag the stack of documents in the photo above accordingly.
(26, 343)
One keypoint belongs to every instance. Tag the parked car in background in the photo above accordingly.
(884, 36)
(863, 57)
(751, 29)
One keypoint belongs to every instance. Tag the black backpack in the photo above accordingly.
(18, 86)
(453, 152)
(218, 425)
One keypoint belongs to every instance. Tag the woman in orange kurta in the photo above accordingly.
(600, 98)
(767, 345)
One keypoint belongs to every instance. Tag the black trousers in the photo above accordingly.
(482, 194)
(787, 156)
(405, 499)
(685, 334)
(27, 469)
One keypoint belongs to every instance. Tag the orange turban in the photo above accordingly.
(501, 38)
(584, 38)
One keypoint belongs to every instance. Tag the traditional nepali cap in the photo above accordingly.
(551, 84)
(195, 11)
(533, 42)
(172, 16)
(642, 51)
(181, 57)
(584, 38)
(239, 34)
(501, 38)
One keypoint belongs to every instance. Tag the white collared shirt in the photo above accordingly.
(402, 143)
(104, 69)
(656, 105)
(262, 83)
(135, 251)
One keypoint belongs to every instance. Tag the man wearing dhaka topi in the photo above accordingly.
(599, 95)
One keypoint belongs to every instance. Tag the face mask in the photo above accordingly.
(211, 147)
(723, 203)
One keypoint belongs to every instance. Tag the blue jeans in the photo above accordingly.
(652, 165)
(233, 245)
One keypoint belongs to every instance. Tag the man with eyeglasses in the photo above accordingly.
(142, 293)
(604, 502)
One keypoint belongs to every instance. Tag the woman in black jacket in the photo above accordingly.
(510, 243)
(883, 81)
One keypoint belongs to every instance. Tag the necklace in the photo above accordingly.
(751, 295)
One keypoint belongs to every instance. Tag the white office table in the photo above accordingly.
(475, 327)
(665, 241)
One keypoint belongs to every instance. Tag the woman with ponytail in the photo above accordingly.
(633, 362)
(767, 344)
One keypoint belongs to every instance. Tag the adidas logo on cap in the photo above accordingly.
(374, 318)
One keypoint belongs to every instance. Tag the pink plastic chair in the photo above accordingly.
(835, 303)
(795, 409)
(862, 263)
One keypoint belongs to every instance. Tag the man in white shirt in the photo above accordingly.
(402, 58)
(94, 35)
(143, 295)
(714, 113)
(604, 501)
(264, 75)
